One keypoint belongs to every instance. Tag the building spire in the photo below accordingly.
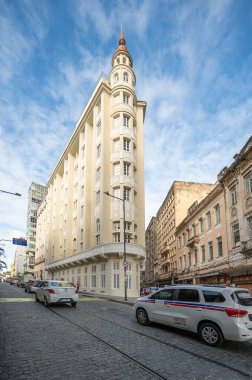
(122, 42)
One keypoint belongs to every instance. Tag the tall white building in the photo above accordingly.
(81, 230)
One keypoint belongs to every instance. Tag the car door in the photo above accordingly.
(187, 308)
(42, 290)
(161, 310)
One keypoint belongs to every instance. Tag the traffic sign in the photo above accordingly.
(125, 264)
(19, 241)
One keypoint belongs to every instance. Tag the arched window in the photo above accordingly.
(125, 77)
(116, 78)
(98, 225)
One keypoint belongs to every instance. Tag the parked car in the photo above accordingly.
(14, 282)
(32, 286)
(153, 289)
(214, 312)
(54, 291)
(145, 291)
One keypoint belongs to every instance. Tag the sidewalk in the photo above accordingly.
(130, 300)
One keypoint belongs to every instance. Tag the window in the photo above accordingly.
(98, 174)
(219, 246)
(125, 98)
(233, 193)
(103, 280)
(201, 225)
(126, 169)
(127, 238)
(125, 77)
(210, 251)
(209, 222)
(116, 98)
(249, 224)
(126, 144)
(188, 295)
(116, 280)
(116, 192)
(116, 169)
(116, 265)
(126, 121)
(98, 128)
(126, 194)
(128, 280)
(98, 239)
(127, 226)
(248, 183)
(98, 151)
(116, 122)
(203, 254)
(117, 238)
(236, 233)
(217, 214)
(98, 198)
(98, 225)
(211, 296)
(116, 78)
(116, 226)
(103, 267)
(116, 145)
(166, 294)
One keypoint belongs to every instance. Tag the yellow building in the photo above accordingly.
(81, 230)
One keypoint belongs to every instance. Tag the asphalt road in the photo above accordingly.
(100, 339)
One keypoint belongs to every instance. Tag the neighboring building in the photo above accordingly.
(202, 254)
(20, 260)
(173, 210)
(81, 229)
(151, 265)
(36, 194)
(41, 239)
(237, 183)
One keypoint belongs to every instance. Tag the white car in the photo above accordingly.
(54, 291)
(214, 312)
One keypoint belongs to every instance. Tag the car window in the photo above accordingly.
(62, 284)
(212, 296)
(189, 295)
(166, 294)
(243, 297)
(44, 285)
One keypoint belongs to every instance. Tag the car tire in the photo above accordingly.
(74, 304)
(36, 298)
(142, 317)
(211, 334)
(46, 303)
(25, 290)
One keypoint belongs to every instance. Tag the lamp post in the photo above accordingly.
(8, 192)
(124, 244)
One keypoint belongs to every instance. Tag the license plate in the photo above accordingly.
(65, 299)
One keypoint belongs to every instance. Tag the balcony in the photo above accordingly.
(193, 241)
(246, 246)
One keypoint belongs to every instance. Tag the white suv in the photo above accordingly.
(214, 312)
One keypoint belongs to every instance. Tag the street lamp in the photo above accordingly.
(124, 244)
(8, 192)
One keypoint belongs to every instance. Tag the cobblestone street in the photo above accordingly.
(101, 339)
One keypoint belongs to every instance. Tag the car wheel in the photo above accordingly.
(142, 317)
(25, 290)
(74, 304)
(211, 334)
(46, 303)
(36, 298)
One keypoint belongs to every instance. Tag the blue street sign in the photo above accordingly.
(19, 241)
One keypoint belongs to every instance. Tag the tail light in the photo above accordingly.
(236, 312)
(51, 291)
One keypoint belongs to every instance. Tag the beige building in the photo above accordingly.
(81, 230)
(202, 252)
(20, 260)
(151, 265)
(173, 210)
(237, 183)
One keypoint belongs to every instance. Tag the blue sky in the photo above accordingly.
(193, 63)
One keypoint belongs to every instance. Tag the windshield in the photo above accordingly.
(243, 297)
(62, 284)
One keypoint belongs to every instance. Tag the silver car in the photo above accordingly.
(54, 291)
(214, 312)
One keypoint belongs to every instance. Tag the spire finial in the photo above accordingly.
(122, 41)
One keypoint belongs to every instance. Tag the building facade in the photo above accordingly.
(20, 260)
(237, 184)
(151, 265)
(202, 252)
(36, 194)
(91, 223)
(173, 210)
